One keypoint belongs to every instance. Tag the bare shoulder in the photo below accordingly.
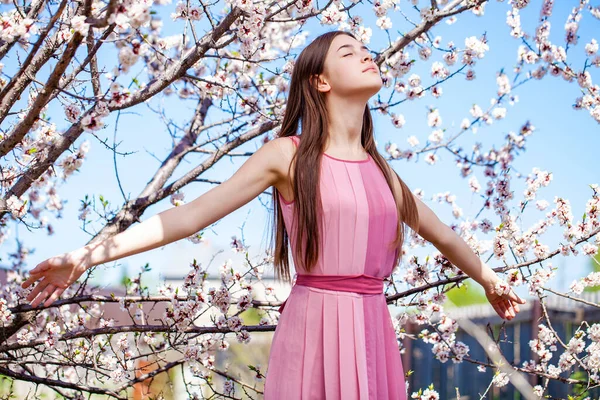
(286, 149)
(286, 146)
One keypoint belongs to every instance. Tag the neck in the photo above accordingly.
(345, 126)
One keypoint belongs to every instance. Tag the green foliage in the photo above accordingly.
(6, 387)
(467, 294)
(124, 278)
(580, 391)
(251, 316)
(103, 201)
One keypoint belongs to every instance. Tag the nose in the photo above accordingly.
(368, 57)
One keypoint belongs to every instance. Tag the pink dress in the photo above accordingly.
(332, 344)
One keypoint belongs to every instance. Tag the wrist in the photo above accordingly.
(490, 280)
(82, 257)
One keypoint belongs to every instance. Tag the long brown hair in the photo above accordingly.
(306, 105)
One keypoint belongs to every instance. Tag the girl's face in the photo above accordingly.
(349, 69)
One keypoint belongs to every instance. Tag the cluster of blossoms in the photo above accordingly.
(445, 345)
(184, 11)
(42, 194)
(576, 231)
(132, 14)
(250, 26)
(52, 331)
(535, 181)
(73, 161)
(120, 362)
(92, 121)
(218, 85)
(418, 274)
(502, 240)
(500, 379)
(333, 15)
(6, 316)
(427, 394)
(540, 277)
(545, 345)
(14, 26)
(437, 136)
(25, 336)
(79, 25)
(556, 56)
(181, 313)
(474, 48)
(591, 280)
(17, 207)
(501, 288)
(592, 360)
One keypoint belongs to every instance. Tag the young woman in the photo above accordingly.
(340, 208)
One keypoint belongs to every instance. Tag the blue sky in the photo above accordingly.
(565, 142)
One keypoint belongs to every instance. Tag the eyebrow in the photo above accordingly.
(349, 45)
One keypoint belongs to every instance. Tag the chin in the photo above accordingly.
(365, 90)
(374, 89)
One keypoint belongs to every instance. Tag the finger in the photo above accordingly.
(504, 310)
(514, 297)
(54, 296)
(515, 306)
(29, 281)
(508, 304)
(41, 267)
(499, 311)
(35, 274)
(38, 288)
(511, 310)
(44, 294)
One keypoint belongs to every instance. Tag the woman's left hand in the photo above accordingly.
(505, 304)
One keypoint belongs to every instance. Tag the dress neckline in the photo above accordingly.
(296, 138)
(349, 161)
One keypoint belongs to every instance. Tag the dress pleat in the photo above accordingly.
(313, 382)
(334, 344)
(360, 348)
(331, 348)
(382, 383)
(347, 364)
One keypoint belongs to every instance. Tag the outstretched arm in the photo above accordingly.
(458, 252)
(262, 170)
(453, 247)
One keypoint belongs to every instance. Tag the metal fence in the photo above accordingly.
(514, 336)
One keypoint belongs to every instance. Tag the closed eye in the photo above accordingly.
(349, 54)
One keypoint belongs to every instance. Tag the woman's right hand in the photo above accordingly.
(54, 275)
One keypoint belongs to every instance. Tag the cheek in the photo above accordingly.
(345, 76)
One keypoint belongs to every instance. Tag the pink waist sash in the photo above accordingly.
(361, 283)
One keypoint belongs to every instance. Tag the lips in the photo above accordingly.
(371, 68)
